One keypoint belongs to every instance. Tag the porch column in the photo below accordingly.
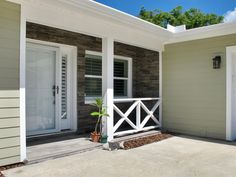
(160, 87)
(107, 84)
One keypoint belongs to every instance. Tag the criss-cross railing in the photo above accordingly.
(139, 125)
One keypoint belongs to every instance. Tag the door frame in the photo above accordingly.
(72, 83)
(229, 128)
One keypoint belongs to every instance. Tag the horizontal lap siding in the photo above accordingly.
(9, 142)
(194, 94)
(9, 83)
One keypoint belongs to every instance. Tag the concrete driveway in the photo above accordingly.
(174, 157)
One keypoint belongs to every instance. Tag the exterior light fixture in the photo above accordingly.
(216, 62)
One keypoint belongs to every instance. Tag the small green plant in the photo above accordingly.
(100, 113)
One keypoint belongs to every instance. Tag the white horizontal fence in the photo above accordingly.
(138, 104)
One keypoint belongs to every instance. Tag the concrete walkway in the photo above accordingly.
(174, 157)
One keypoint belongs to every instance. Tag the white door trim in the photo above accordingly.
(229, 52)
(73, 75)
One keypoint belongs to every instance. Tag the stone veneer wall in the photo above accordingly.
(145, 65)
(145, 69)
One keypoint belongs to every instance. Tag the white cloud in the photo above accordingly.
(230, 16)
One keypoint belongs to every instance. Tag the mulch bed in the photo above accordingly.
(9, 167)
(1, 175)
(145, 140)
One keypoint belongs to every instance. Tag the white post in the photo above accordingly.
(160, 87)
(107, 84)
(23, 156)
(229, 67)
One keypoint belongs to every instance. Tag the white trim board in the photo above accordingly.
(89, 52)
(22, 86)
(160, 87)
(203, 33)
(229, 121)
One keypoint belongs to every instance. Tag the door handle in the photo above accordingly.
(58, 89)
(53, 90)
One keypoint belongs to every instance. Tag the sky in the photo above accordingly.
(226, 8)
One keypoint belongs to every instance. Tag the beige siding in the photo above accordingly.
(9, 83)
(194, 94)
(9, 160)
(11, 151)
(10, 142)
(9, 103)
(9, 112)
(9, 132)
(9, 123)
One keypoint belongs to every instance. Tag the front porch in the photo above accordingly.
(41, 149)
(127, 77)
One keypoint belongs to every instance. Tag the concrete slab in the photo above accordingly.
(174, 157)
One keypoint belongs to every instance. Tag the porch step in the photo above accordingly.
(44, 138)
(47, 148)
(60, 155)
(118, 143)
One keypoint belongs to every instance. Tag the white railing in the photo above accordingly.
(138, 104)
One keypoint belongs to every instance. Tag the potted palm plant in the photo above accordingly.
(101, 112)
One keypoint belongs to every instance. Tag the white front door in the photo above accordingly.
(42, 89)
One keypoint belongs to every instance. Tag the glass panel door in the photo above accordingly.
(41, 89)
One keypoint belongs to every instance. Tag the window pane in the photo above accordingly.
(120, 87)
(120, 68)
(93, 87)
(93, 65)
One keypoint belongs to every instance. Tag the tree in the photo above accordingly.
(192, 18)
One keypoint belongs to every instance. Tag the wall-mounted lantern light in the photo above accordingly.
(216, 62)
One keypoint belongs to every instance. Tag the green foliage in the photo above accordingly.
(192, 18)
(100, 113)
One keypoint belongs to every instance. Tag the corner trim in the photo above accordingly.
(22, 85)
(160, 86)
(229, 51)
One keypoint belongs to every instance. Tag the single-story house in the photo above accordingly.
(57, 56)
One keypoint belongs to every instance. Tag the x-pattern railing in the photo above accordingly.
(138, 104)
